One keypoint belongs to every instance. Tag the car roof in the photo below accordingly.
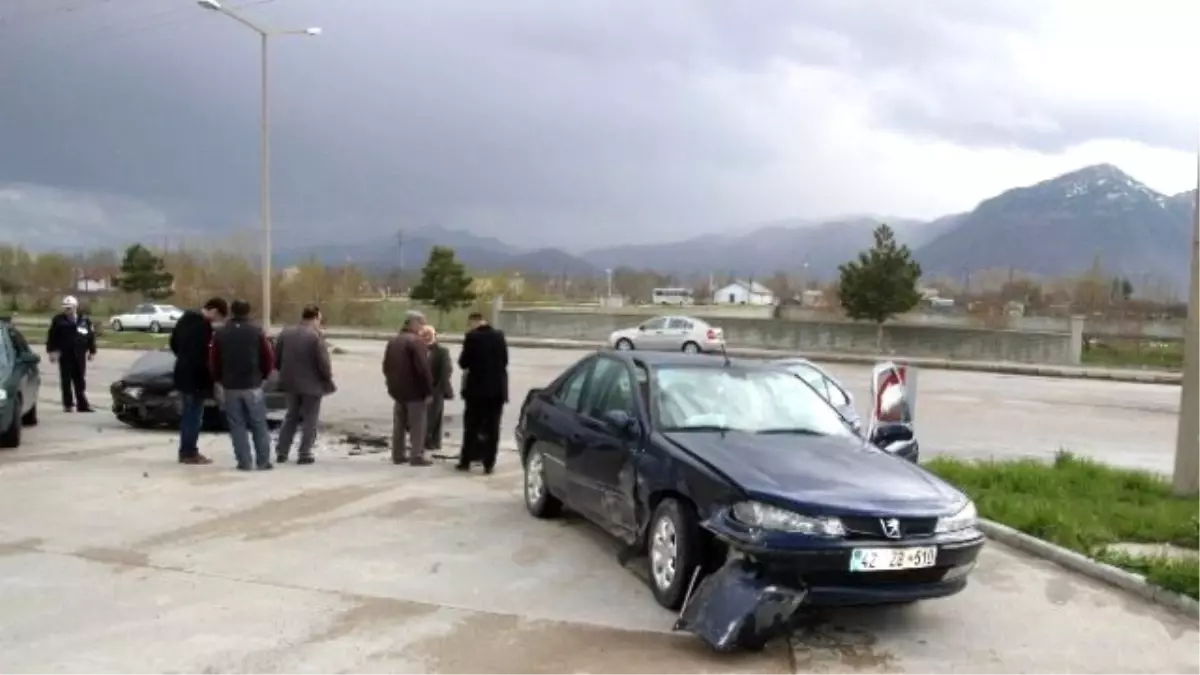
(668, 359)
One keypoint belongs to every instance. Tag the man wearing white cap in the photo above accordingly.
(71, 341)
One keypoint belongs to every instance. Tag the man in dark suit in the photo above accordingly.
(190, 340)
(71, 341)
(442, 367)
(484, 361)
(305, 377)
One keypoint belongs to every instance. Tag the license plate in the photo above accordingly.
(886, 559)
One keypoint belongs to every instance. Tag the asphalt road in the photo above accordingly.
(115, 558)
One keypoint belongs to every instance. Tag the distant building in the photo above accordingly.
(743, 293)
(94, 281)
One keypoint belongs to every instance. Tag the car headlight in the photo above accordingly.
(757, 514)
(134, 392)
(964, 519)
(3, 395)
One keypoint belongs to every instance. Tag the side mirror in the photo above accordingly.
(892, 389)
(622, 422)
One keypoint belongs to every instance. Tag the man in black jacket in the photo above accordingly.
(190, 341)
(71, 341)
(241, 360)
(484, 361)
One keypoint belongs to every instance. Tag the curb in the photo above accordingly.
(1084, 565)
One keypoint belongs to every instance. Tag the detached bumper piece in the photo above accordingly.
(739, 607)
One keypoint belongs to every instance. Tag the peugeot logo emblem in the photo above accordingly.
(891, 527)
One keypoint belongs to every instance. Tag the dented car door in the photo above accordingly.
(602, 463)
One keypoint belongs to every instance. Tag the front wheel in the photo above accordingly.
(30, 419)
(625, 344)
(538, 500)
(155, 327)
(675, 550)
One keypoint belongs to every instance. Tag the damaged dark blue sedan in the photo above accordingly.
(750, 494)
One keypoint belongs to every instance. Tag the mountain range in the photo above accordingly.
(1055, 227)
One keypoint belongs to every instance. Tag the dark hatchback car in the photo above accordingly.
(145, 396)
(20, 381)
(749, 492)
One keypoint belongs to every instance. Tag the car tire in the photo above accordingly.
(116, 326)
(625, 345)
(674, 549)
(538, 500)
(690, 347)
(155, 327)
(30, 419)
(11, 437)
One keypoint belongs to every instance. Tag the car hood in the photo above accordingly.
(151, 366)
(822, 474)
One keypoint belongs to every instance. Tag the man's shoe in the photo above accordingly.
(195, 459)
(487, 469)
(266, 467)
(419, 461)
(68, 408)
(86, 409)
(244, 467)
(462, 467)
(306, 460)
(281, 459)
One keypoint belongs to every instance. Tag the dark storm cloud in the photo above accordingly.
(540, 121)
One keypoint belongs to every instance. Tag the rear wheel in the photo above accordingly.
(155, 327)
(11, 437)
(691, 348)
(116, 325)
(30, 419)
(538, 500)
(675, 551)
(625, 344)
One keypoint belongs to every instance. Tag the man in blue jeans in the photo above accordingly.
(189, 342)
(241, 360)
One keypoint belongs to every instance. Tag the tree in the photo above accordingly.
(444, 282)
(144, 273)
(881, 283)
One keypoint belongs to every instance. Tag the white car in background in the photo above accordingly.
(147, 317)
(670, 334)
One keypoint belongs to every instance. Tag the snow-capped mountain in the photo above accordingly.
(1062, 225)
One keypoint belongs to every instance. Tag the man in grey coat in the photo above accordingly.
(305, 376)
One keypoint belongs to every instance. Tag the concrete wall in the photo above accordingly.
(825, 336)
(1154, 330)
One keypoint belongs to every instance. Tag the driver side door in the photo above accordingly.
(652, 334)
(601, 460)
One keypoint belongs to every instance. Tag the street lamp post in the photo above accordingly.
(608, 273)
(265, 187)
(1186, 479)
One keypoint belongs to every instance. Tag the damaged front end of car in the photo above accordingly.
(751, 599)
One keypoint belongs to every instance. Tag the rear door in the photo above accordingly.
(556, 424)
(25, 367)
(678, 331)
(139, 318)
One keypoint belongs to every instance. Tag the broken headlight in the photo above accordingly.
(757, 514)
(962, 520)
(133, 392)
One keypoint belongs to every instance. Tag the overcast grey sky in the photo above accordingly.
(577, 122)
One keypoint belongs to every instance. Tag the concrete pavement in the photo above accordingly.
(354, 565)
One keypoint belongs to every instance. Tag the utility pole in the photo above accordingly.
(1186, 480)
(400, 244)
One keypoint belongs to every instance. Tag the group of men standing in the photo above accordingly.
(417, 371)
(232, 362)
(221, 353)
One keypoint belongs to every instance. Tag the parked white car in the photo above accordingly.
(670, 333)
(147, 317)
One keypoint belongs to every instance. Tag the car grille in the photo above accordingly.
(928, 575)
(872, 528)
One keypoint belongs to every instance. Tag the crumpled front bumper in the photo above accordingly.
(767, 578)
